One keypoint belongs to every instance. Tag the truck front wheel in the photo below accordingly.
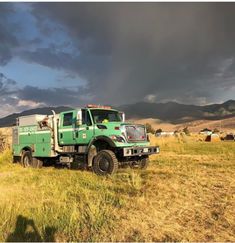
(143, 163)
(105, 162)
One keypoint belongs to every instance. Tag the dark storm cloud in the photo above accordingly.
(8, 100)
(53, 96)
(7, 42)
(50, 57)
(133, 51)
(7, 39)
(6, 85)
(127, 51)
(15, 99)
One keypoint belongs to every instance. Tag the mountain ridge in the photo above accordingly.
(172, 112)
(176, 113)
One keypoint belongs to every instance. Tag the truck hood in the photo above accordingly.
(118, 124)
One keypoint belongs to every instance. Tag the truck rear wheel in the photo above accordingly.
(105, 162)
(28, 161)
(37, 163)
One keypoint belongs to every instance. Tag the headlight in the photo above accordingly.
(117, 138)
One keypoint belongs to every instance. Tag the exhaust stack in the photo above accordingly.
(55, 133)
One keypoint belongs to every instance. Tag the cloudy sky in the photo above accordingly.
(115, 53)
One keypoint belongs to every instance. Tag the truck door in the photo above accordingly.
(67, 128)
(84, 132)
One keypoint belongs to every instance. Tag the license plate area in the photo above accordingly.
(139, 151)
(145, 150)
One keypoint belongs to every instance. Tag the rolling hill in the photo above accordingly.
(170, 112)
(177, 113)
(224, 124)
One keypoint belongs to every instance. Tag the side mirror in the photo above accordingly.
(122, 114)
(79, 118)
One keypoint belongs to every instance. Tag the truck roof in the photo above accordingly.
(91, 108)
(102, 109)
(34, 118)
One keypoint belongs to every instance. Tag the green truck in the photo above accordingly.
(95, 137)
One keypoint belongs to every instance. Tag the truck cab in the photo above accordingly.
(97, 133)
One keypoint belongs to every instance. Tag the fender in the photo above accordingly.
(27, 148)
(101, 138)
(91, 149)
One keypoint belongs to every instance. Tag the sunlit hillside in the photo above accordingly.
(225, 125)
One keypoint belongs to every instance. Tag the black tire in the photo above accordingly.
(105, 162)
(37, 163)
(28, 161)
(143, 163)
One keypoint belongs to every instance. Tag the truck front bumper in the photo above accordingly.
(141, 150)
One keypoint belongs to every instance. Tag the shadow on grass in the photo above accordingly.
(26, 231)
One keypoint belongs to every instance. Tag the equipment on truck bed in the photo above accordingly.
(94, 136)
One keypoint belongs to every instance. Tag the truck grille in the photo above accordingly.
(135, 133)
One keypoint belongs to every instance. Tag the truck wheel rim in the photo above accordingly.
(104, 164)
(26, 161)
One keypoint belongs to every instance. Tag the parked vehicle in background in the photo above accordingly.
(229, 137)
(93, 136)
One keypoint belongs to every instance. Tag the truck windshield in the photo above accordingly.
(102, 116)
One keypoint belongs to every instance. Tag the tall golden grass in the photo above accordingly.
(186, 194)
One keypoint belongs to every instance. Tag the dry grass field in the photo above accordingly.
(186, 194)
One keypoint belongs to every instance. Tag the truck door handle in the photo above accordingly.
(61, 135)
(76, 134)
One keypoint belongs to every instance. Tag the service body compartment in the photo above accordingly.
(30, 134)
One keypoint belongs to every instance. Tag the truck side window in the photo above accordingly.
(86, 118)
(68, 119)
